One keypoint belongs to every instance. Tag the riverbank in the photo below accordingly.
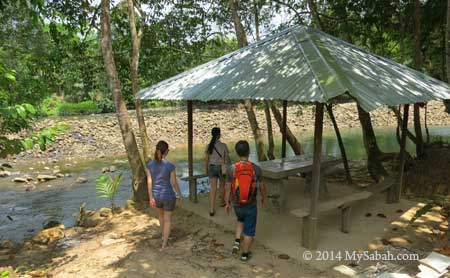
(98, 136)
(126, 245)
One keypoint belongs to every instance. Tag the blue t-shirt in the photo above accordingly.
(161, 187)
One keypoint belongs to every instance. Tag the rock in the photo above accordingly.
(49, 236)
(112, 168)
(283, 257)
(50, 224)
(30, 187)
(56, 171)
(87, 218)
(5, 174)
(47, 168)
(105, 169)
(20, 179)
(59, 175)
(45, 177)
(105, 212)
(81, 180)
(7, 244)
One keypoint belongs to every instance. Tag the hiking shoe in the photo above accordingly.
(236, 247)
(246, 256)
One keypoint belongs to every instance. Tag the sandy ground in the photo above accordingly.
(127, 246)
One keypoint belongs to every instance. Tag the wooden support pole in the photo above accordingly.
(340, 142)
(284, 128)
(397, 188)
(192, 182)
(310, 227)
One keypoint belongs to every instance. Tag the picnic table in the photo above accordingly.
(276, 172)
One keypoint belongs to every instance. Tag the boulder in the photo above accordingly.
(5, 174)
(59, 175)
(81, 180)
(46, 177)
(49, 236)
(89, 219)
(50, 224)
(105, 212)
(7, 244)
(20, 179)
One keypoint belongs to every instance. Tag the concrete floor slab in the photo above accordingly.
(282, 231)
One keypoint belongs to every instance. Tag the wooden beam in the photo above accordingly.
(396, 194)
(309, 236)
(192, 183)
(340, 142)
(284, 128)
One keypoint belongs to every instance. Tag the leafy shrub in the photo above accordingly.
(107, 187)
(81, 108)
(105, 105)
(49, 106)
(162, 103)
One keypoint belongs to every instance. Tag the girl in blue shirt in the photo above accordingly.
(164, 192)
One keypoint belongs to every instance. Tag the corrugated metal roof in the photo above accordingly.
(301, 64)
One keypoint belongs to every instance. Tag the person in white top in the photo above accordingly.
(216, 160)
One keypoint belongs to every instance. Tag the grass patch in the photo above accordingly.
(81, 108)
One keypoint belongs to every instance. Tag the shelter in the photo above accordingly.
(304, 65)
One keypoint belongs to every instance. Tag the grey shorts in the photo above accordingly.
(215, 171)
(167, 205)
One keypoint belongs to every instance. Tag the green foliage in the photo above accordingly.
(162, 103)
(5, 274)
(49, 106)
(81, 108)
(107, 187)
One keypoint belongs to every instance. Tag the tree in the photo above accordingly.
(140, 193)
(417, 66)
(136, 42)
(242, 41)
(447, 52)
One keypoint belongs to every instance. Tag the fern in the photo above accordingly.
(107, 187)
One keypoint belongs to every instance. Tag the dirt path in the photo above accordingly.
(127, 246)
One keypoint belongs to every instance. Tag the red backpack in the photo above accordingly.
(243, 187)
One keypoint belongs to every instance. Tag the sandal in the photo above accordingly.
(236, 247)
(212, 213)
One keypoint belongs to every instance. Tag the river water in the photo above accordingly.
(23, 213)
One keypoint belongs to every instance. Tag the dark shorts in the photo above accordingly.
(247, 215)
(167, 205)
(215, 171)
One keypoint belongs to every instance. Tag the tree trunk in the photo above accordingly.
(315, 15)
(136, 43)
(242, 42)
(417, 66)
(374, 165)
(340, 142)
(447, 52)
(140, 194)
(295, 145)
(271, 150)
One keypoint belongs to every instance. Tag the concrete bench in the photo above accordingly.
(343, 204)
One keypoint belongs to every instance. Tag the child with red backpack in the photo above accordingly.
(244, 179)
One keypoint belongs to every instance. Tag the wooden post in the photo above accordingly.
(192, 183)
(309, 240)
(284, 128)
(340, 142)
(397, 188)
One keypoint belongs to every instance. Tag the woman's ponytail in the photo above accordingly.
(161, 149)
(215, 133)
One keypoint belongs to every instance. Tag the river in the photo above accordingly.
(22, 213)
